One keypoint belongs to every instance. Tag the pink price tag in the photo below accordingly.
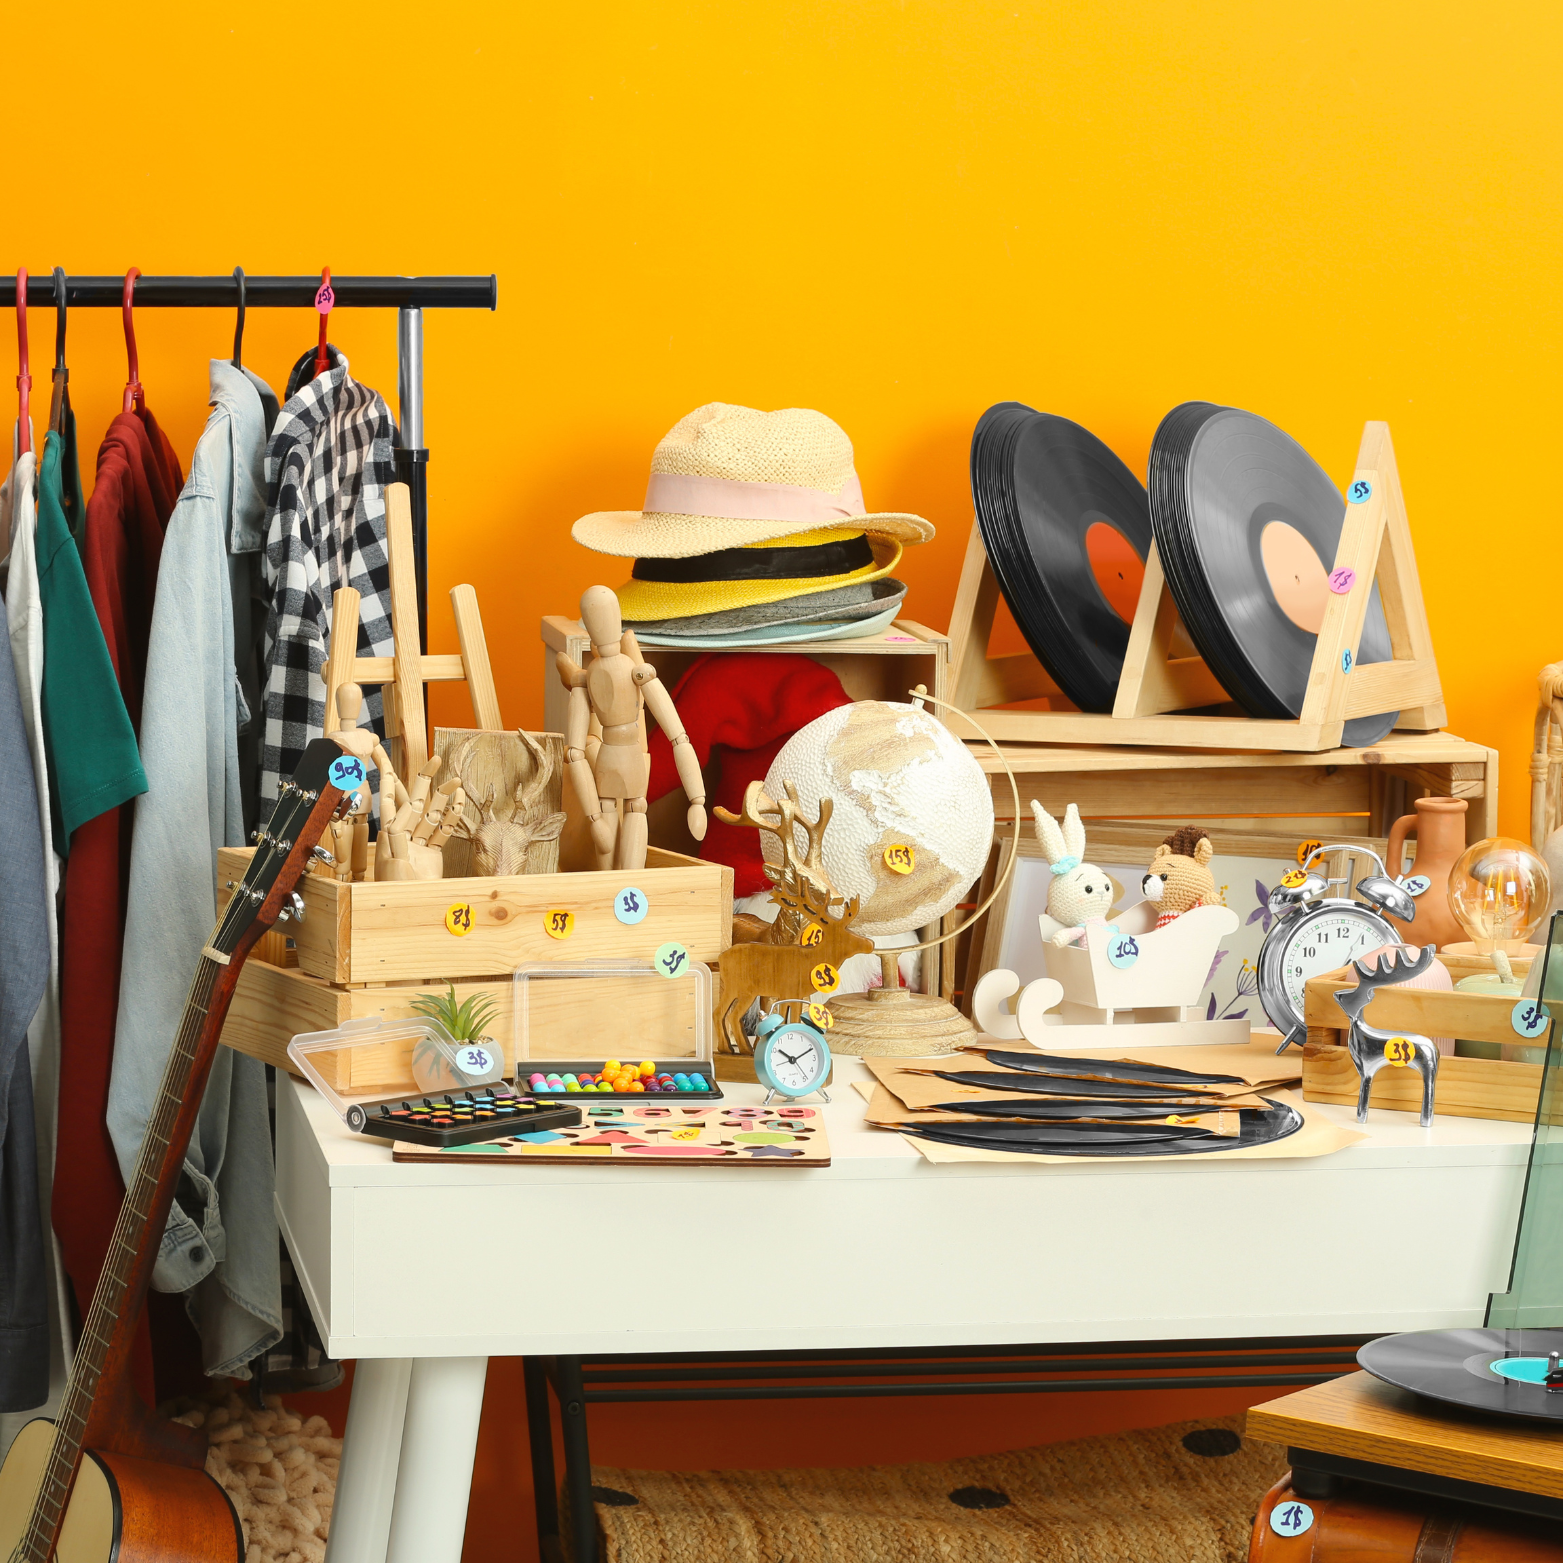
(1342, 581)
(901, 637)
(325, 299)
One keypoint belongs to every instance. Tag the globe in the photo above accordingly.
(899, 780)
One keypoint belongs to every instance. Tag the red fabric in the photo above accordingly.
(739, 708)
(137, 484)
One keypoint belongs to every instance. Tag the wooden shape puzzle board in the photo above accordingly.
(781, 1136)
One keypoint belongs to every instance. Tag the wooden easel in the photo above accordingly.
(403, 674)
(1156, 684)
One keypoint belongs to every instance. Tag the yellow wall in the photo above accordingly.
(895, 212)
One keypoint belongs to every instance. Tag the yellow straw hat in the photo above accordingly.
(812, 562)
(729, 477)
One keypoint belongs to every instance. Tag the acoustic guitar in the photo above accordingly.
(110, 1481)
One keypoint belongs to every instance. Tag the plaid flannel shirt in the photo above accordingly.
(327, 465)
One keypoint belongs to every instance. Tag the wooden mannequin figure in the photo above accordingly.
(350, 836)
(411, 846)
(612, 782)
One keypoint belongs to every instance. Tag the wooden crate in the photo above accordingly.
(1467, 1087)
(395, 931)
(370, 950)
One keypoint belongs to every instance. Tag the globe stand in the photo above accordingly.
(893, 1022)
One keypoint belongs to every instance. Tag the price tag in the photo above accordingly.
(347, 773)
(325, 298)
(671, 959)
(900, 859)
(458, 919)
(1306, 849)
(1291, 1518)
(1530, 1018)
(1399, 1052)
(1342, 580)
(1417, 884)
(1360, 492)
(474, 1060)
(1292, 878)
(630, 905)
(559, 923)
(1345, 660)
(812, 935)
(686, 1134)
(1123, 950)
(825, 978)
(821, 1016)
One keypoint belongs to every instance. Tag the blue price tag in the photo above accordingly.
(1360, 492)
(1123, 950)
(1530, 1018)
(1291, 1518)
(671, 959)
(1417, 884)
(629, 906)
(347, 773)
(1345, 660)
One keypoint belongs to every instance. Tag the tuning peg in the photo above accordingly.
(320, 855)
(296, 903)
(230, 884)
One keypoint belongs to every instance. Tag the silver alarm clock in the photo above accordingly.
(1315, 932)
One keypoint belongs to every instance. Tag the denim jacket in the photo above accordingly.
(220, 1245)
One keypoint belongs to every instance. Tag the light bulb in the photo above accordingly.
(1499, 890)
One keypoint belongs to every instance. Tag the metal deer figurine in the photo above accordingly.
(1370, 1048)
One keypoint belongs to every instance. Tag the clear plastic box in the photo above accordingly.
(573, 1016)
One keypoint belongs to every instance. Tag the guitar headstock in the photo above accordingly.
(305, 805)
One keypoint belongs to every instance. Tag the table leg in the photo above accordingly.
(371, 1451)
(577, 1459)
(540, 1437)
(434, 1483)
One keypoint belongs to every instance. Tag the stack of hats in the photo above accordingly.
(754, 532)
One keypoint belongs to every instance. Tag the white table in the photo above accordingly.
(1409, 1229)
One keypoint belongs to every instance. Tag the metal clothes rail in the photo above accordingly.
(410, 296)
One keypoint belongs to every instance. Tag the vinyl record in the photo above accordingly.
(1067, 527)
(1067, 1109)
(1104, 1069)
(1460, 1367)
(1260, 1126)
(1247, 525)
(1057, 1085)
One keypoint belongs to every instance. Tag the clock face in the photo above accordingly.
(1324, 940)
(796, 1059)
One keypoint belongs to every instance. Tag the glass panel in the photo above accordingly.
(1534, 1299)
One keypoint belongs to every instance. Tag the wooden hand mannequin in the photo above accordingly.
(350, 836)
(410, 846)
(611, 783)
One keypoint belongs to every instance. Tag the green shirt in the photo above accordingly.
(89, 744)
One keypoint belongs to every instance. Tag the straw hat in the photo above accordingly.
(730, 477)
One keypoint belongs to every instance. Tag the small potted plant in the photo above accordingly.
(478, 1058)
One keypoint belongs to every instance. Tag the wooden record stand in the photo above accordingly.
(1158, 688)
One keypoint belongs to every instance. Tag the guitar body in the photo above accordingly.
(122, 1509)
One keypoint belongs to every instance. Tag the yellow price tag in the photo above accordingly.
(821, 1016)
(825, 977)
(686, 1134)
(900, 859)
(1293, 877)
(1399, 1052)
(812, 935)
(559, 924)
(458, 919)
(1306, 849)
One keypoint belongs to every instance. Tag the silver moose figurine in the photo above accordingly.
(1371, 1048)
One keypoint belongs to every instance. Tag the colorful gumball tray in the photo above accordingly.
(659, 1080)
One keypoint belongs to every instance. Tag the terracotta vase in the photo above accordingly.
(1439, 827)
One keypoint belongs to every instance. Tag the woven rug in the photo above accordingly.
(1181, 1494)
(279, 1469)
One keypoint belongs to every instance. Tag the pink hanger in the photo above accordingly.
(325, 299)
(24, 379)
(135, 397)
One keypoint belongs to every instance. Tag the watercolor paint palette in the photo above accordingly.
(660, 1134)
(460, 1118)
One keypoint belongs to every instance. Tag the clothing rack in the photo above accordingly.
(409, 296)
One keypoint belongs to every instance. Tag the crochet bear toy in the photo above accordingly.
(1179, 878)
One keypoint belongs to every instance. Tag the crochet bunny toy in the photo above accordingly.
(1179, 878)
(1080, 892)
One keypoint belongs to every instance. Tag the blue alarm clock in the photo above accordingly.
(791, 1058)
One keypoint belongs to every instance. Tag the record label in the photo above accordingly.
(1485, 1370)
